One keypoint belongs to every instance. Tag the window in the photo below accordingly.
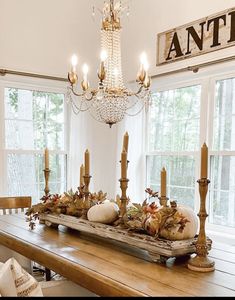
(178, 123)
(222, 159)
(174, 127)
(33, 120)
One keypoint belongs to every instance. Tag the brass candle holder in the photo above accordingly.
(163, 201)
(46, 176)
(201, 262)
(123, 186)
(87, 179)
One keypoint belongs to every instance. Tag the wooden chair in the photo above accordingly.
(9, 205)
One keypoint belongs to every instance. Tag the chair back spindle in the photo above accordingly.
(13, 204)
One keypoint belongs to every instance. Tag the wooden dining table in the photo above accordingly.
(110, 268)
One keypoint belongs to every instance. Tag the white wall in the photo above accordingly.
(41, 35)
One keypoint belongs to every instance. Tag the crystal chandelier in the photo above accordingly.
(111, 100)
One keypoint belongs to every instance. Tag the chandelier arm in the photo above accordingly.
(129, 93)
(144, 104)
(75, 93)
(92, 93)
(84, 94)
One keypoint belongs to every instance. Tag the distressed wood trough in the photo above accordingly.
(158, 249)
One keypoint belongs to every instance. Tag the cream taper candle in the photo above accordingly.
(204, 160)
(125, 141)
(87, 162)
(124, 164)
(46, 157)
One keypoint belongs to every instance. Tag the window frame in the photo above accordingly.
(212, 89)
(207, 79)
(33, 84)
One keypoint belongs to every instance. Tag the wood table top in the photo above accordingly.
(112, 269)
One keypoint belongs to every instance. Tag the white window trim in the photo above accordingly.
(35, 84)
(207, 80)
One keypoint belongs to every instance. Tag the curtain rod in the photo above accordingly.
(4, 72)
(195, 68)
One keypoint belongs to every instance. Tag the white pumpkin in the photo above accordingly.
(189, 230)
(105, 213)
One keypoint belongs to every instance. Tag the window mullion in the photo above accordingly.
(210, 114)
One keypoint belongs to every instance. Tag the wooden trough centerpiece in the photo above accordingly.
(145, 226)
(158, 249)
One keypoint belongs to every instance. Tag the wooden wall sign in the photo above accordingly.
(202, 36)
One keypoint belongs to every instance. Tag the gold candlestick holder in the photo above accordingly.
(123, 186)
(201, 262)
(46, 176)
(87, 179)
(163, 201)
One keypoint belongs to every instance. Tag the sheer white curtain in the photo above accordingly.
(101, 141)
(136, 167)
(79, 140)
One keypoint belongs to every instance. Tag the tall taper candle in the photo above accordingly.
(87, 162)
(163, 182)
(46, 157)
(124, 164)
(204, 160)
(82, 173)
(125, 141)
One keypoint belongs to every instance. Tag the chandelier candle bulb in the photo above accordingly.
(74, 62)
(204, 160)
(46, 157)
(146, 66)
(125, 141)
(85, 70)
(163, 182)
(87, 163)
(82, 173)
(124, 164)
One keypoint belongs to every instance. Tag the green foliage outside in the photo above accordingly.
(47, 122)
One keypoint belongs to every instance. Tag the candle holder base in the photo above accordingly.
(123, 186)
(201, 264)
(46, 176)
(86, 192)
(163, 200)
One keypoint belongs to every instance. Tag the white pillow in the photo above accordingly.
(7, 284)
(25, 285)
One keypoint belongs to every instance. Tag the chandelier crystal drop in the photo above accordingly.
(111, 100)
